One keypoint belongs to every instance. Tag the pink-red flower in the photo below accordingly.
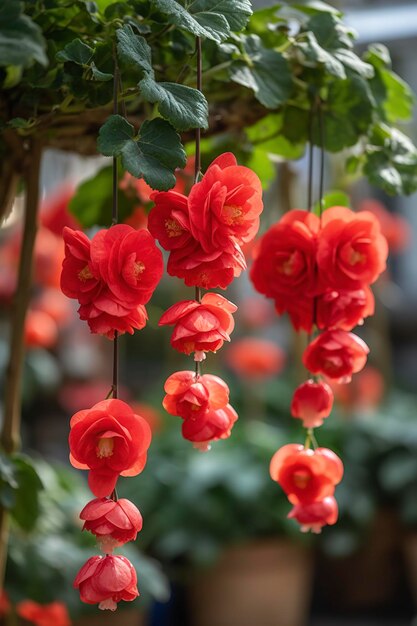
(204, 232)
(306, 475)
(128, 262)
(312, 402)
(315, 515)
(112, 522)
(112, 277)
(336, 354)
(191, 397)
(285, 258)
(344, 309)
(107, 580)
(108, 439)
(351, 249)
(54, 614)
(79, 278)
(226, 203)
(255, 358)
(200, 327)
(214, 424)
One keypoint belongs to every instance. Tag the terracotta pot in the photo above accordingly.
(258, 584)
(130, 617)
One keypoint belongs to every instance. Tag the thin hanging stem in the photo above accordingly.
(197, 165)
(321, 183)
(114, 221)
(310, 162)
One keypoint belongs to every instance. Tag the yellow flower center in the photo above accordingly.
(173, 228)
(232, 214)
(105, 447)
(356, 257)
(139, 268)
(85, 274)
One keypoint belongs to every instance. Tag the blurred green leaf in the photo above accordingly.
(21, 40)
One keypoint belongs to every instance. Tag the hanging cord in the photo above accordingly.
(321, 183)
(197, 166)
(310, 160)
(114, 221)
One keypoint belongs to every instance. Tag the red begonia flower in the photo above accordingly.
(337, 354)
(191, 397)
(122, 320)
(300, 310)
(5, 604)
(344, 309)
(112, 522)
(306, 475)
(255, 358)
(315, 515)
(128, 262)
(226, 203)
(47, 258)
(41, 330)
(351, 249)
(312, 402)
(201, 269)
(54, 614)
(200, 327)
(285, 259)
(79, 279)
(108, 439)
(168, 221)
(105, 580)
(214, 424)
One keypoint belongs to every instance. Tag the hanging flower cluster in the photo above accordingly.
(203, 234)
(112, 276)
(318, 270)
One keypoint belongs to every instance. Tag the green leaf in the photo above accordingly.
(202, 18)
(391, 161)
(133, 50)
(183, 106)
(92, 201)
(331, 33)
(313, 54)
(26, 508)
(332, 198)
(21, 40)
(312, 7)
(267, 73)
(262, 165)
(76, 51)
(267, 136)
(236, 12)
(99, 75)
(154, 154)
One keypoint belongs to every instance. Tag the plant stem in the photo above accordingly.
(10, 435)
(115, 219)
(197, 166)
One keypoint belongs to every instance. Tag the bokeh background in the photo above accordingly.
(216, 548)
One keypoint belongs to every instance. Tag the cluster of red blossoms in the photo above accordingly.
(112, 276)
(204, 233)
(109, 440)
(318, 270)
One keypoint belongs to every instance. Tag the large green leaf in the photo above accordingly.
(26, 507)
(153, 155)
(76, 51)
(133, 49)
(391, 161)
(236, 12)
(201, 18)
(267, 135)
(21, 40)
(92, 201)
(265, 71)
(183, 106)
